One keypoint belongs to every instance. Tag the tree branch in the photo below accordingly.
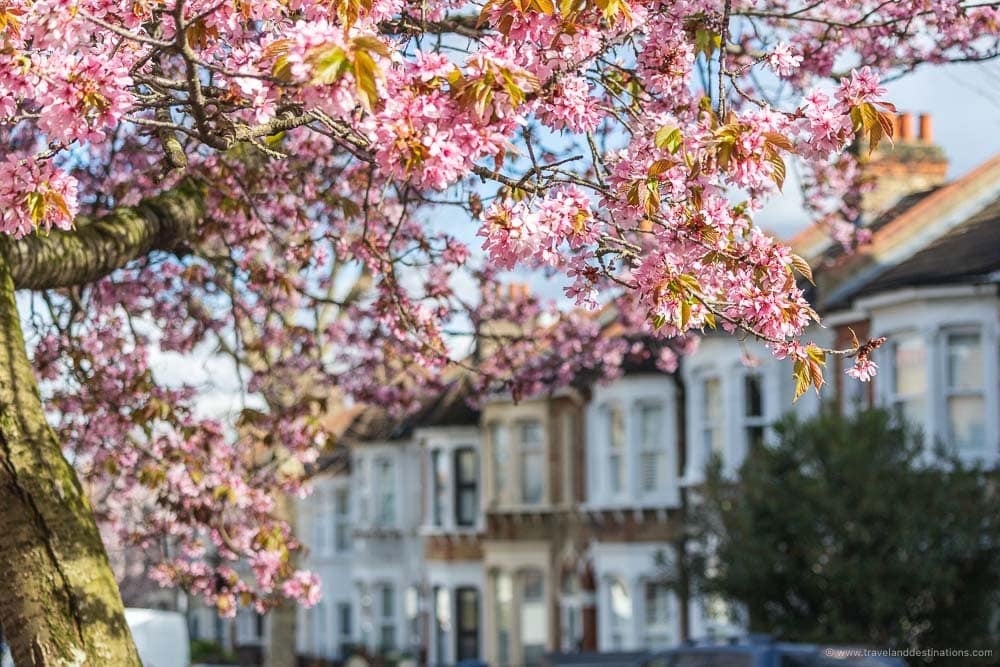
(97, 247)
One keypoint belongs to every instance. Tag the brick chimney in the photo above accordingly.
(911, 163)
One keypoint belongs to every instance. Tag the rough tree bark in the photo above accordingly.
(59, 603)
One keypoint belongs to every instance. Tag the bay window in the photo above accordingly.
(964, 391)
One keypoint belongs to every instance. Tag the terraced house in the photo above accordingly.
(508, 530)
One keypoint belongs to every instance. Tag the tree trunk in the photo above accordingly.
(59, 603)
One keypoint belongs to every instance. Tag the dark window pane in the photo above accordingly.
(754, 398)
(467, 622)
(466, 487)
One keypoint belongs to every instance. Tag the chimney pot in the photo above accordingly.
(906, 126)
(926, 129)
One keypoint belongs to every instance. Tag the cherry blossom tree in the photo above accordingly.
(328, 193)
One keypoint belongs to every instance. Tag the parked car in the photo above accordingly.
(588, 659)
(763, 652)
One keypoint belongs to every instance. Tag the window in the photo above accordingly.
(909, 378)
(466, 487)
(439, 485)
(621, 613)
(711, 416)
(616, 448)
(503, 587)
(344, 625)
(568, 432)
(342, 520)
(534, 625)
(572, 613)
(385, 493)
(386, 618)
(652, 457)
(364, 490)
(442, 624)
(754, 416)
(532, 462)
(412, 608)
(318, 523)
(657, 615)
(966, 405)
(467, 623)
(319, 625)
(500, 447)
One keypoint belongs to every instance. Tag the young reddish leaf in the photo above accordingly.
(802, 266)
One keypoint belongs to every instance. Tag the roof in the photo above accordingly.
(916, 223)
(448, 407)
(967, 253)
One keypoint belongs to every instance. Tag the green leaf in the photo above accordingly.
(365, 73)
(685, 314)
(36, 207)
(669, 138)
(329, 64)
